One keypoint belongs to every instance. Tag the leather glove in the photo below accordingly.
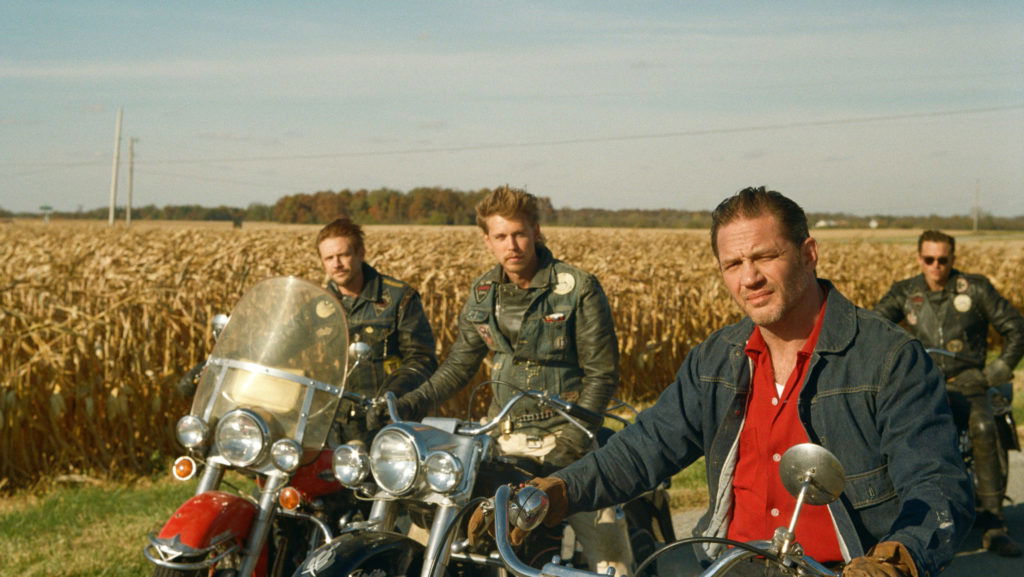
(970, 382)
(482, 520)
(408, 409)
(998, 372)
(376, 417)
(886, 559)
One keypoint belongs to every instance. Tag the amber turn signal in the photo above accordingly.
(290, 498)
(184, 468)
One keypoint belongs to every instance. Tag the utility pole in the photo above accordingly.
(131, 180)
(113, 171)
(977, 205)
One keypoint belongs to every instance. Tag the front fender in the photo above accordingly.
(208, 519)
(368, 553)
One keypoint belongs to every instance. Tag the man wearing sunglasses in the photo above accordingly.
(950, 312)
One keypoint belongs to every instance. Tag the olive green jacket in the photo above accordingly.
(566, 345)
(388, 315)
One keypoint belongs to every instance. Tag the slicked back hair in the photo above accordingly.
(509, 203)
(342, 227)
(936, 236)
(756, 202)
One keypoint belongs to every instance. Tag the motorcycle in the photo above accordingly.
(809, 472)
(264, 405)
(1001, 398)
(436, 471)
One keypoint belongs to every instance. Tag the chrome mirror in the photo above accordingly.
(218, 323)
(813, 471)
(528, 508)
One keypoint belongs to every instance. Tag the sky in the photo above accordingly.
(889, 107)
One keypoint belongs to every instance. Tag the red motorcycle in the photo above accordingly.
(264, 406)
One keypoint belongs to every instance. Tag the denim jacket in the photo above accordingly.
(872, 396)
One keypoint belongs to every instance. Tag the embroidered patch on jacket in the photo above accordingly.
(481, 292)
(485, 334)
(962, 303)
(955, 346)
(961, 284)
(566, 282)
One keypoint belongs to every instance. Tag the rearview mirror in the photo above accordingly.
(813, 469)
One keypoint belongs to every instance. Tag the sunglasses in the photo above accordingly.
(929, 260)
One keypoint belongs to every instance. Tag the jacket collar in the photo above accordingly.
(921, 284)
(837, 330)
(544, 277)
(371, 285)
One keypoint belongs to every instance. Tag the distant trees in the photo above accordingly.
(446, 206)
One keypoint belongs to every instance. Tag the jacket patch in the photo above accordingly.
(481, 292)
(962, 303)
(477, 316)
(961, 284)
(566, 282)
(485, 334)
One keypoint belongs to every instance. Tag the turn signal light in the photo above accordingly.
(184, 468)
(290, 498)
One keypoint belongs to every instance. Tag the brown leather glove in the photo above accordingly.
(482, 521)
(886, 559)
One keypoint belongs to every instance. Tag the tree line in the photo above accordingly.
(446, 206)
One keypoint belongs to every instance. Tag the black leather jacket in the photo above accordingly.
(565, 344)
(388, 315)
(956, 319)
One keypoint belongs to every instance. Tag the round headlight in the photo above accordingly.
(241, 437)
(443, 471)
(191, 431)
(286, 454)
(351, 464)
(394, 462)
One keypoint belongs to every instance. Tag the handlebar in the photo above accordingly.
(571, 411)
(740, 551)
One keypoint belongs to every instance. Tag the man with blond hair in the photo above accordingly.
(549, 327)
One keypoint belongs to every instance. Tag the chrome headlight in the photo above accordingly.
(241, 437)
(443, 471)
(286, 454)
(192, 431)
(394, 462)
(351, 464)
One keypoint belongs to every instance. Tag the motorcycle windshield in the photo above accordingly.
(282, 355)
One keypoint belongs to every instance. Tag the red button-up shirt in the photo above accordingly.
(772, 425)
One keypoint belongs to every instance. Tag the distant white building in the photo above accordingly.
(872, 223)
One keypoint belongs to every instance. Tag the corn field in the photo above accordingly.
(97, 323)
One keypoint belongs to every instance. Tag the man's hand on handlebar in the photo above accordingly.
(886, 559)
(482, 519)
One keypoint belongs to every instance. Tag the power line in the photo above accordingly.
(568, 141)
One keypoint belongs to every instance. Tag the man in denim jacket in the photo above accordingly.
(865, 390)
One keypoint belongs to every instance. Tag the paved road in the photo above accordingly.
(972, 560)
